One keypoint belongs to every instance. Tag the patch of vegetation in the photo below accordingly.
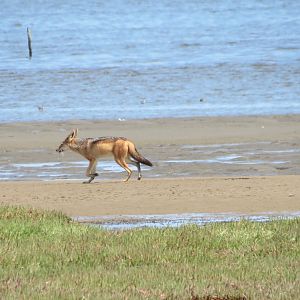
(45, 255)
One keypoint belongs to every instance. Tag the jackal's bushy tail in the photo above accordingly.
(138, 157)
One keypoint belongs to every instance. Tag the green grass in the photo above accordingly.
(44, 255)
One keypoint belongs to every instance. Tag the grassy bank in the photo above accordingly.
(44, 255)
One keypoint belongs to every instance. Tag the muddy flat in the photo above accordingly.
(222, 164)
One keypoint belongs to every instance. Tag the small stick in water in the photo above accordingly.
(29, 42)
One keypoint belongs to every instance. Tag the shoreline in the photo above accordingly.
(58, 121)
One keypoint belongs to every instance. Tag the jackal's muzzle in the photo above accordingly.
(60, 149)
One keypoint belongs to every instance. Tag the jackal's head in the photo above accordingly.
(68, 141)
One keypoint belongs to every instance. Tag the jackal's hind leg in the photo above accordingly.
(123, 164)
(138, 166)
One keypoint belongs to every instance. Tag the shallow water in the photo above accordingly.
(136, 59)
(125, 222)
(239, 159)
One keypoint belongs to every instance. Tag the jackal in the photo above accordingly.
(123, 151)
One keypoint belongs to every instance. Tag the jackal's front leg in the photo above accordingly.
(91, 171)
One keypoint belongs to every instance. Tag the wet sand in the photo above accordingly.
(267, 145)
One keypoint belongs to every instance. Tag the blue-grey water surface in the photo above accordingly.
(143, 59)
(123, 222)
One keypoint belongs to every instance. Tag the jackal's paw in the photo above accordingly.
(90, 180)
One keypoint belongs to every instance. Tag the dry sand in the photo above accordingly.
(159, 196)
(202, 188)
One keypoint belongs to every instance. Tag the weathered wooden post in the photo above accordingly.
(29, 38)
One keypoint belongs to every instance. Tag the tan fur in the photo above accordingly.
(123, 151)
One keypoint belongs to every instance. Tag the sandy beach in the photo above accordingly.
(159, 196)
(221, 164)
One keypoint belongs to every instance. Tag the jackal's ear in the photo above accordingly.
(73, 134)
